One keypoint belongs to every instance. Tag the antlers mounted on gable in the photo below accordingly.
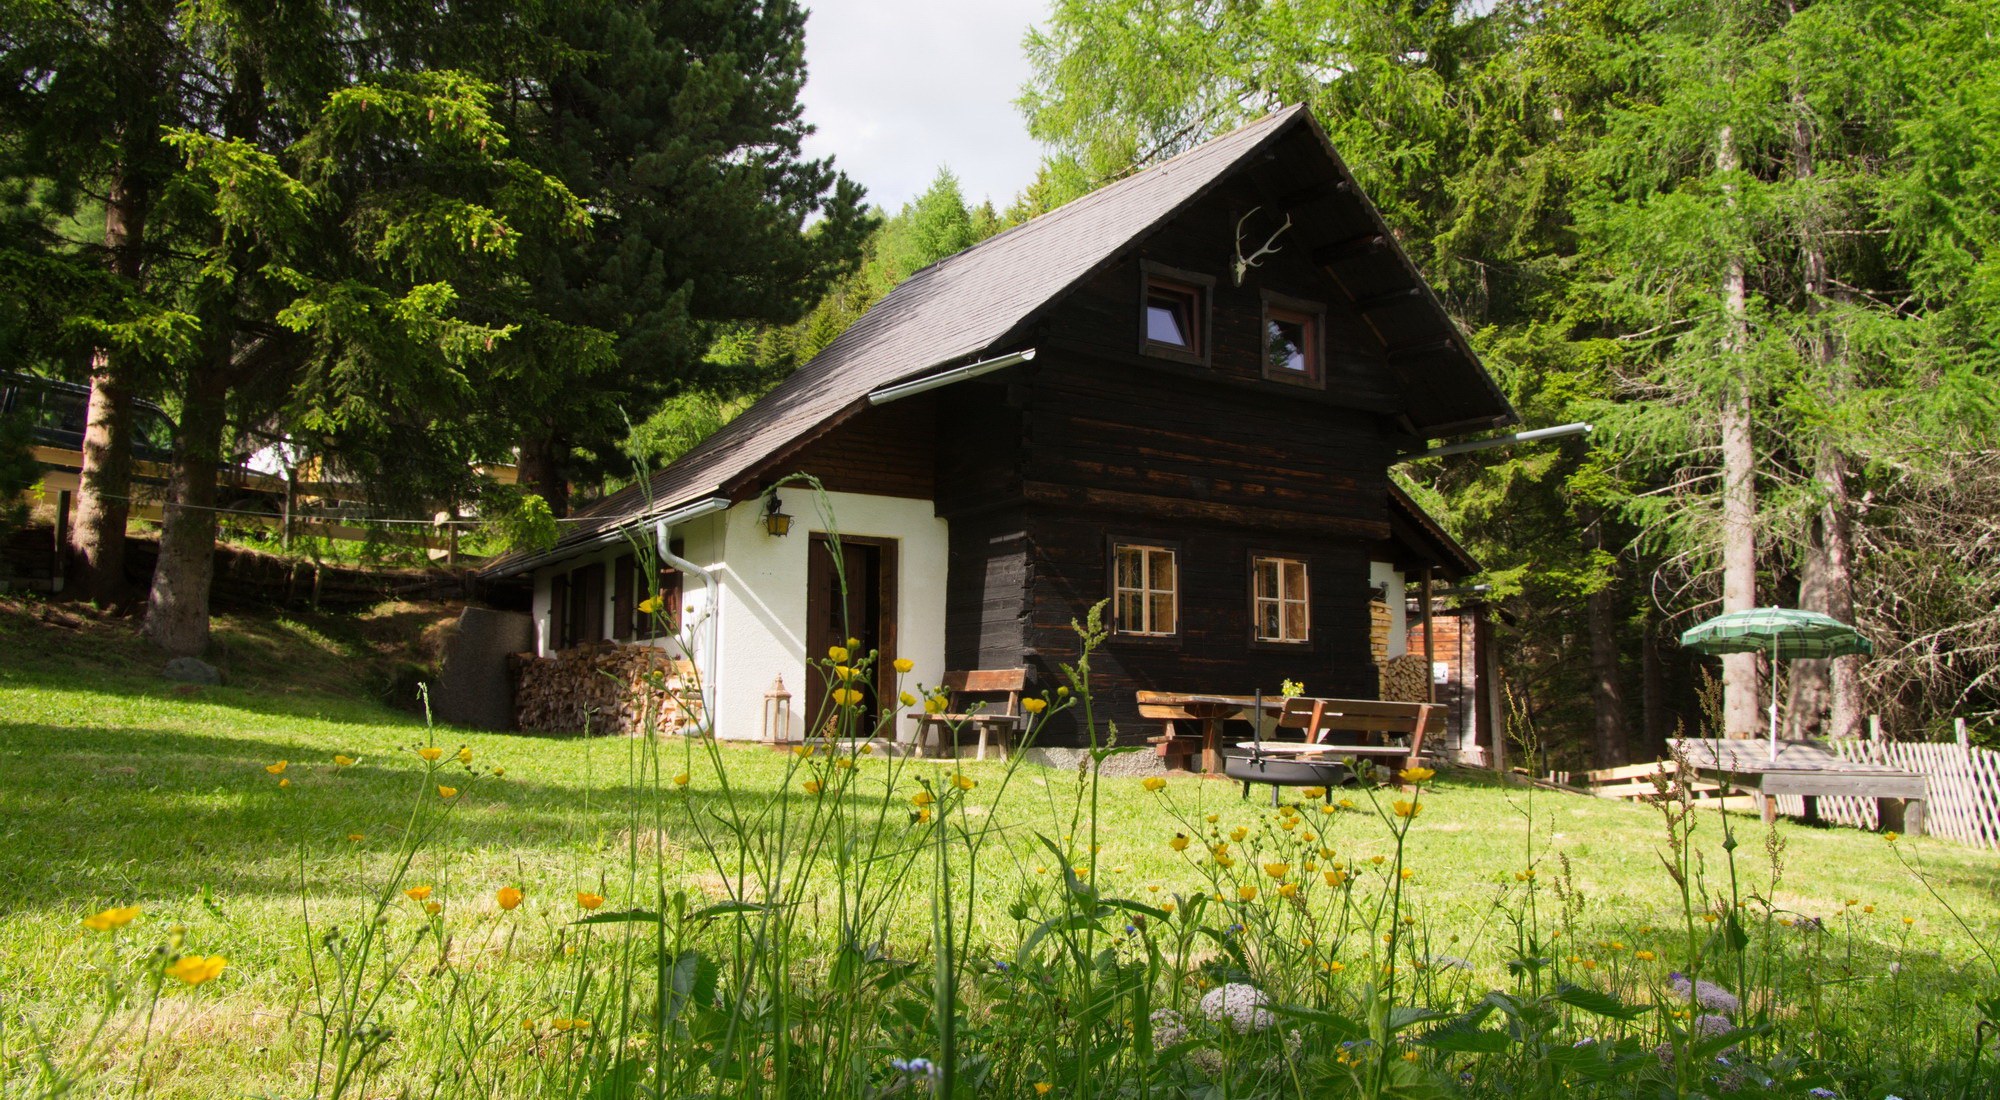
(1242, 264)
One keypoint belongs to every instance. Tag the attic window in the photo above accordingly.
(1292, 341)
(1173, 313)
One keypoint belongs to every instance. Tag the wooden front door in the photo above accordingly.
(858, 601)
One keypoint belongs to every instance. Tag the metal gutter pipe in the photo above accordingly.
(1499, 441)
(662, 529)
(957, 374)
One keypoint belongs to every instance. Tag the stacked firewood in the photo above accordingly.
(1406, 679)
(604, 688)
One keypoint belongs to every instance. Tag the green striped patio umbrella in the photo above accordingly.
(1784, 634)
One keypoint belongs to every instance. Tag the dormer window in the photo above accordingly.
(1173, 314)
(1292, 341)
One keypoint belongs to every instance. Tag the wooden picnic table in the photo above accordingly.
(1211, 711)
(1808, 769)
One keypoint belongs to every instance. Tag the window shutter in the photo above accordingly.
(559, 636)
(624, 579)
(590, 598)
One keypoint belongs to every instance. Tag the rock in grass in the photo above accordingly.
(194, 670)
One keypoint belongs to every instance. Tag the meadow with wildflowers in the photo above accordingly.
(234, 893)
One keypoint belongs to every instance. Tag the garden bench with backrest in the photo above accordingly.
(999, 722)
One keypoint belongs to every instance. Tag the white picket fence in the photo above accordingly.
(1964, 802)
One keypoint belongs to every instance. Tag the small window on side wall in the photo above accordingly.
(1292, 341)
(1173, 314)
(1280, 600)
(1145, 589)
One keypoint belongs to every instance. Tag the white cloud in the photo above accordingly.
(899, 87)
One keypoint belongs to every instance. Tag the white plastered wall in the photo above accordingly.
(759, 625)
(762, 614)
(1382, 574)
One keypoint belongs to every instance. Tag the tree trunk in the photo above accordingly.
(177, 614)
(96, 566)
(1652, 692)
(540, 469)
(1740, 682)
(1607, 692)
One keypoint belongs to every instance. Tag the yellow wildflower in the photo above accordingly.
(847, 697)
(649, 606)
(417, 893)
(1892, 836)
(1710, 917)
(1326, 853)
(1042, 1088)
(356, 837)
(1034, 706)
(1312, 792)
(813, 786)
(1225, 861)
(1644, 956)
(589, 900)
(1334, 877)
(508, 897)
(277, 768)
(843, 763)
(1415, 775)
(922, 798)
(433, 907)
(340, 761)
(1407, 809)
(1179, 843)
(1377, 860)
(430, 752)
(1346, 803)
(1868, 909)
(1407, 873)
(963, 781)
(196, 969)
(1909, 920)
(854, 643)
(111, 918)
(802, 750)
(837, 654)
(464, 755)
(904, 665)
(924, 816)
(284, 782)
(909, 700)
(845, 672)
(1277, 870)
(1288, 889)
(934, 705)
(498, 772)
(447, 792)
(681, 780)
(1154, 783)
(561, 1024)
(1247, 893)
(1239, 833)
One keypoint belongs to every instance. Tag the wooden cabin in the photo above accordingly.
(1181, 393)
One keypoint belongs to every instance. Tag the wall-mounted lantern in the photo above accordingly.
(777, 713)
(776, 522)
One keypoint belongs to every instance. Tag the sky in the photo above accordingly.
(899, 87)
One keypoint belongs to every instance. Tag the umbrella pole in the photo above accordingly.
(1774, 701)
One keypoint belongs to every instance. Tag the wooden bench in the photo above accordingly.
(1000, 723)
(1314, 761)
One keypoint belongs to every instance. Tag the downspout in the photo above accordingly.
(706, 655)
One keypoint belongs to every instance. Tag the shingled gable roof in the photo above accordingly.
(939, 317)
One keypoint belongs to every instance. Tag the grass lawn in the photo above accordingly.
(117, 788)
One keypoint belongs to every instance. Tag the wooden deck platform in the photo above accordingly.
(1810, 770)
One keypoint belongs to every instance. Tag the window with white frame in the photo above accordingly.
(1279, 600)
(1145, 590)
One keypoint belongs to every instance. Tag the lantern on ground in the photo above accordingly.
(777, 713)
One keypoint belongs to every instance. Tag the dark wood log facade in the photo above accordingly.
(1040, 469)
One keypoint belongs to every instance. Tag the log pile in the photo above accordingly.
(603, 688)
(1406, 679)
